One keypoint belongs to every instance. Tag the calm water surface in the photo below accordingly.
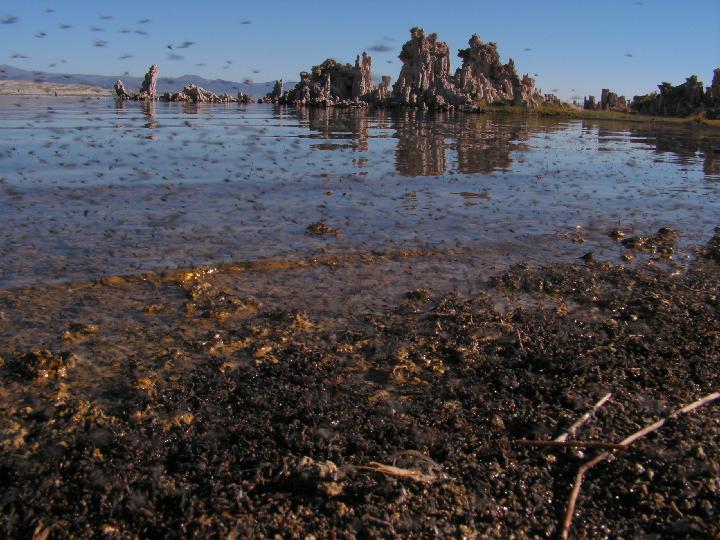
(90, 187)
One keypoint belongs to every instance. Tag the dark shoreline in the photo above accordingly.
(233, 415)
(541, 112)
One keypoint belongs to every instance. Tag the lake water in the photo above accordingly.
(91, 187)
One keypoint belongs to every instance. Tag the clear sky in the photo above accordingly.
(575, 47)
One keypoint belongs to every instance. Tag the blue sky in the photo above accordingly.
(575, 47)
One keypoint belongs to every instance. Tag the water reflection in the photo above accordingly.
(421, 147)
(685, 146)
(150, 113)
(484, 146)
(351, 125)
(711, 164)
(426, 141)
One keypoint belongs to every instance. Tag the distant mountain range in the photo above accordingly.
(165, 84)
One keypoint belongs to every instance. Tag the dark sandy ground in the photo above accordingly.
(361, 397)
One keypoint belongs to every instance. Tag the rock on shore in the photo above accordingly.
(682, 100)
(609, 101)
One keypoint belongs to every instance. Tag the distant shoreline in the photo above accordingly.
(582, 114)
(31, 88)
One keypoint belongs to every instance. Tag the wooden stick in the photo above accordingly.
(418, 455)
(572, 444)
(390, 470)
(625, 442)
(660, 423)
(570, 432)
(570, 512)
(380, 521)
(520, 341)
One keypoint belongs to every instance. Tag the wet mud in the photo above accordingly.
(382, 401)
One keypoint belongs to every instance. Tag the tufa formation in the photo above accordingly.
(330, 83)
(482, 80)
(148, 88)
(191, 93)
(425, 74)
(425, 80)
(609, 101)
(685, 99)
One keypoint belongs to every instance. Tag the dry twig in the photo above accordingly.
(572, 444)
(41, 531)
(570, 432)
(382, 522)
(625, 442)
(520, 341)
(416, 455)
(390, 470)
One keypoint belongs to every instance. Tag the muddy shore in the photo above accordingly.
(255, 402)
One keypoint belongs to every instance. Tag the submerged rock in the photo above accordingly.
(39, 364)
(663, 243)
(320, 228)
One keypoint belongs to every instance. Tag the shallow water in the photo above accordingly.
(90, 187)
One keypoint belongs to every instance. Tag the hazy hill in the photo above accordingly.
(165, 84)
